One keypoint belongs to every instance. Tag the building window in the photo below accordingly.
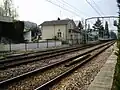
(59, 34)
(69, 30)
(71, 36)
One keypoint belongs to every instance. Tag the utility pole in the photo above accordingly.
(85, 38)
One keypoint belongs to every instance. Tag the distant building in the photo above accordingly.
(11, 31)
(31, 31)
(65, 30)
(17, 31)
(1, 11)
(6, 19)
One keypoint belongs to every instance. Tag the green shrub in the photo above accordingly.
(117, 71)
(55, 38)
(65, 42)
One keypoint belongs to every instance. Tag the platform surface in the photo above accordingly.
(104, 79)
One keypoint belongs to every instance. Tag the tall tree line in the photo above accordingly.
(118, 1)
(103, 31)
(106, 31)
(8, 9)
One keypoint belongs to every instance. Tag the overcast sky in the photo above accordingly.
(41, 10)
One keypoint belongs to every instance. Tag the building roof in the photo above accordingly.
(29, 25)
(76, 22)
(56, 22)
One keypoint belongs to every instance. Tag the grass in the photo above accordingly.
(116, 82)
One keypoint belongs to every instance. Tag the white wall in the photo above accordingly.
(27, 36)
(70, 26)
(48, 32)
(62, 30)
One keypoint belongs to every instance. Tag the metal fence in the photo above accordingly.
(30, 46)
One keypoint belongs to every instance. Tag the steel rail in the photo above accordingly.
(6, 82)
(55, 80)
(38, 53)
(10, 63)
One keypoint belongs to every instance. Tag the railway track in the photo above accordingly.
(18, 70)
(31, 57)
(53, 81)
(5, 83)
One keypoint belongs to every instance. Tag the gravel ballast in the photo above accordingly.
(18, 70)
(82, 77)
(32, 82)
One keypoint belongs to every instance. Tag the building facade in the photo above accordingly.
(64, 30)
(31, 31)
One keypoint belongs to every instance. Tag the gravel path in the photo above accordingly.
(81, 78)
(11, 72)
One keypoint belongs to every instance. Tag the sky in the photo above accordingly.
(39, 11)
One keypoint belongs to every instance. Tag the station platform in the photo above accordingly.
(104, 79)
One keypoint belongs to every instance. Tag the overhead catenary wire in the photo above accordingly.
(93, 8)
(63, 8)
(97, 6)
(67, 6)
(73, 7)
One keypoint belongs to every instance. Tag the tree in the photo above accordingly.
(113, 35)
(88, 29)
(1, 11)
(9, 9)
(106, 31)
(99, 28)
(80, 26)
(118, 1)
(117, 71)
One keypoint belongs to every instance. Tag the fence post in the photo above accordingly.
(25, 46)
(37, 44)
(47, 43)
(10, 46)
(72, 41)
(55, 42)
(79, 41)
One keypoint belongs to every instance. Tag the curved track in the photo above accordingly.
(6, 83)
(27, 58)
(53, 81)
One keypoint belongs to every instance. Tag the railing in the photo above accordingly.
(30, 46)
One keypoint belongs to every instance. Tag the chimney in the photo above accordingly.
(58, 18)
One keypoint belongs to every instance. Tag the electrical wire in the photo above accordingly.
(97, 6)
(93, 8)
(63, 8)
(74, 8)
(66, 5)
